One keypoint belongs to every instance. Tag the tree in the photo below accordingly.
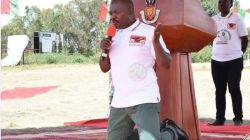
(32, 20)
(210, 6)
(16, 27)
(77, 20)
(81, 24)
(236, 4)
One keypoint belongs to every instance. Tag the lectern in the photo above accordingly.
(185, 28)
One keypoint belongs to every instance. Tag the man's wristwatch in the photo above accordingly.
(104, 54)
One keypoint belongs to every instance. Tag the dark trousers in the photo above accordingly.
(227, 73)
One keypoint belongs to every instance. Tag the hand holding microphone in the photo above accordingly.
(106, 43)
(104, 61)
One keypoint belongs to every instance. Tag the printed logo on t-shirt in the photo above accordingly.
(231, 26)
(137, 72)
(136, 40)
(223, 36)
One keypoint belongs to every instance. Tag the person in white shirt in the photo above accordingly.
(227, 61)
(131, 56)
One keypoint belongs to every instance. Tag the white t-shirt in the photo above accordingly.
(132, 58)
(227, 44)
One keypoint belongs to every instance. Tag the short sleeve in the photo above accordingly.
(241, 28)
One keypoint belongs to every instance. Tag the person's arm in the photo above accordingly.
(244, 42)
(243, 34)
(104, 61)
(162, 57)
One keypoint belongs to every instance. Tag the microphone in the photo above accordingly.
(111, 31)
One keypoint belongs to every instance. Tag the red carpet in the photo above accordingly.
(24, 92)
(50, 134)
(99, 123)
(204, 128)
(226, 129)
(83, 133)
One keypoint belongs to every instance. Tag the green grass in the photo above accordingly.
(45, 60)
(203, 56)
(56, 58)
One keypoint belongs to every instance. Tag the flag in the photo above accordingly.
(9, 7)
(103, 11)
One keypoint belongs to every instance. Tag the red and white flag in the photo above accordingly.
(103, 11)
(9, 7)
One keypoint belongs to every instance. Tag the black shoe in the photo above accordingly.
(238, 122)
(217, 123)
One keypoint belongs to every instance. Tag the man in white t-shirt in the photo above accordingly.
(131, 56)
(227, 61)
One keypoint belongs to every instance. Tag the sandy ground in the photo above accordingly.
(82, 94)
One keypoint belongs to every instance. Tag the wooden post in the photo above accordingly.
(178, 96)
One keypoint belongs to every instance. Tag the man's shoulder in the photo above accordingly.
(236, 16)
(146, 26)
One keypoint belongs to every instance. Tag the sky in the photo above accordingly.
(245, 4)
(39, 3)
